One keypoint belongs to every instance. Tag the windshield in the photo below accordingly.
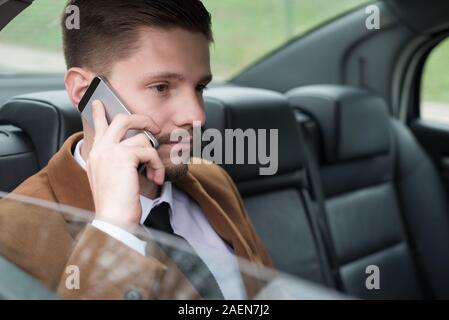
(37, 261)
(32, 43)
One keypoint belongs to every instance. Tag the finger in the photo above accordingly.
(122, 123)
(150, 174)
(140, 140)
(99, 117)
(153, 162)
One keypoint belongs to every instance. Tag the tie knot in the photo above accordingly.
(159, 218)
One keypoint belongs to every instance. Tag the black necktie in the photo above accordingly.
(191, 265)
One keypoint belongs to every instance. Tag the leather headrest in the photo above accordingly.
(354, 123)
(48, 118)
(247, 108)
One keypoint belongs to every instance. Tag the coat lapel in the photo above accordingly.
(218, 219)
(68, 180)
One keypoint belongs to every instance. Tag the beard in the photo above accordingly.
(174, 173)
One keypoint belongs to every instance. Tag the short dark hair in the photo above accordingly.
(109, 29)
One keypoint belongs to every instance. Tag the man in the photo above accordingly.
(155, 54)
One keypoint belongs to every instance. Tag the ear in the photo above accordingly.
(76, 82)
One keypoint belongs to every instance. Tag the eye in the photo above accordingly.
(160, 88)
(201, 87)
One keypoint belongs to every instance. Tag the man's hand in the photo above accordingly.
(112, 165)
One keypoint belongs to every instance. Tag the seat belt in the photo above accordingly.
(318, 216)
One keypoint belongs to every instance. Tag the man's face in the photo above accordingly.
(164, 79)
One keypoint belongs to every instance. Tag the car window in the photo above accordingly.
(99, 262)
(434, 87)
(32, 43)
(268, 23)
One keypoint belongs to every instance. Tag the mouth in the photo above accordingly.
(181, 145)
(182, 140)
(184, 144)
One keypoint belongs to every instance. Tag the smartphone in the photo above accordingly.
(99, 89)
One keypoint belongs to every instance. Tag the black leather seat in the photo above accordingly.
(385, 205)
(17, 157)
(32, 128)
(278, 204)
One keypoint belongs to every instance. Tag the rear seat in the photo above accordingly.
(385, 205)
(17, 158)
(32, 129)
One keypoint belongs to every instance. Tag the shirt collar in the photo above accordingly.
(77, 155)
(147, 203)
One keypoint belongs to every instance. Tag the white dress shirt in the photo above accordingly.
(188, 221)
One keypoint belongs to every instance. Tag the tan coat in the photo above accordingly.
(44, 243)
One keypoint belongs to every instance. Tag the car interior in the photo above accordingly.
(362, 178)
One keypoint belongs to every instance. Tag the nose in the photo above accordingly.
(189, 110)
